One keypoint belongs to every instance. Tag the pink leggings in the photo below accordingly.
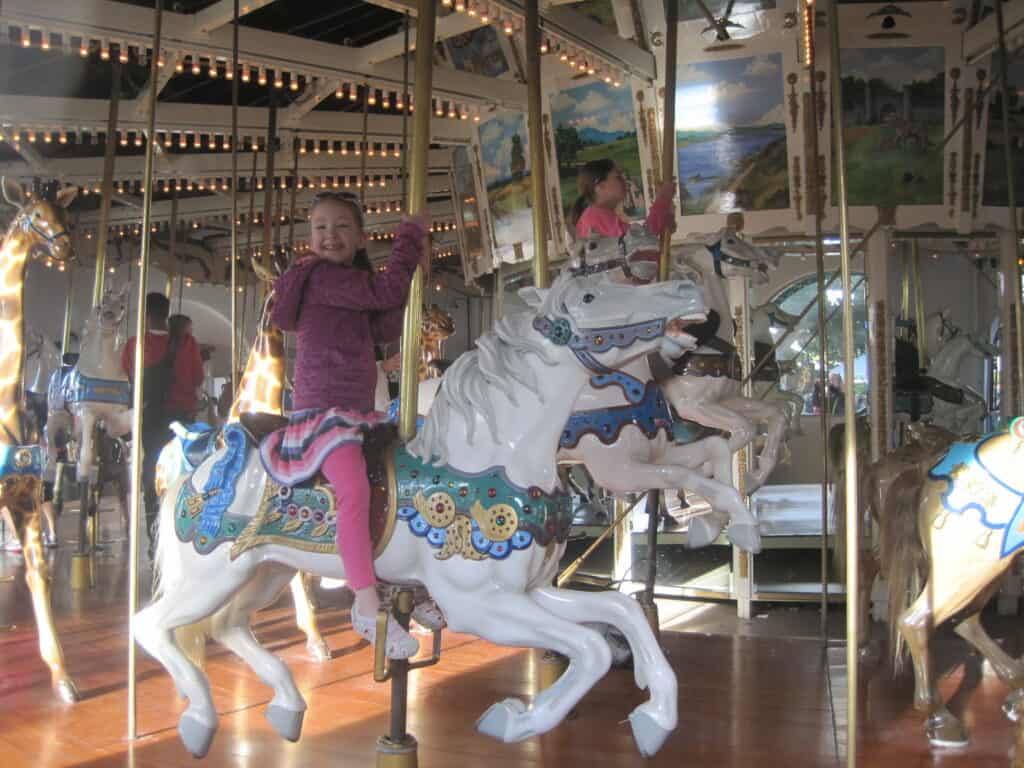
(345, 470)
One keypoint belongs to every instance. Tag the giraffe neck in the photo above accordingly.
(13, 256)
(262, 385)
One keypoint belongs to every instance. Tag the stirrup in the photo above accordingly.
(401, 645)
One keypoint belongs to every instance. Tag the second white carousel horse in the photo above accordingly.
(92, 402)
(956, 406)
(707, 386)
(481, 522)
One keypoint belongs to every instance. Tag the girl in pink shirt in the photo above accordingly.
(602, 189)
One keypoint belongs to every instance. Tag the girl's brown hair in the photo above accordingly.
(591, 174)
(360, 259)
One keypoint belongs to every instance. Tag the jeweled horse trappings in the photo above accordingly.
(38, 227)
(477, 517)
(970, 531)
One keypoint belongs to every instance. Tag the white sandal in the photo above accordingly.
(401, 645)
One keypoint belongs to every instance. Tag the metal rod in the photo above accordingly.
(538, 186)
(400, 669)
(267, 245)
(668, 134)
(653, 516)
(235, 328)
(576, 564)
(174, 245)
(915, 286)
(140, 349)
(69, 301)
(366, 145)
(803, 313)
(234, 202)
(295, 193)
(1011, 201)
(424, 76)
(849, 410)
(405, 114)
(107, 190)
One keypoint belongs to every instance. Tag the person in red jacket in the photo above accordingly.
(173, 373)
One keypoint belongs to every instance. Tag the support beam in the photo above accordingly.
(91, 114)
(221, 13)
(106, 19)
(390, 47)
(139, 108)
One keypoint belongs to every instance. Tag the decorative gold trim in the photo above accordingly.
(798, 198)
(794, 102)
(952, 184)
(954, 92)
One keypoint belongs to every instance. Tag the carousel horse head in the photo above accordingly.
(938, 329)
(725, 254)
(111, 311)
(42, 223)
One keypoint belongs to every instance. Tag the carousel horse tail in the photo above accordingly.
(167, 567)
(902, 555)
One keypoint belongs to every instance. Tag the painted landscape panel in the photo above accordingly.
(504, 152)
(894, 114)
(478, 52)
(592, 122)
(731, 136)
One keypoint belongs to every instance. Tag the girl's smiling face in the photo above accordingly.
(336, 233)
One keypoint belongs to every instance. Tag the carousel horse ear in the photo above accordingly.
(533, 296)
(12, 192)
(66, 195)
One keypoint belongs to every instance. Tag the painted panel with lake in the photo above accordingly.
(894, 115)
(592, 122)
(995, 155)
(731, 136)
(505, 155)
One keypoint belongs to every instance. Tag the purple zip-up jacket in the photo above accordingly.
(338, 313)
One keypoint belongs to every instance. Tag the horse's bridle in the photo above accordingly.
(29, 224)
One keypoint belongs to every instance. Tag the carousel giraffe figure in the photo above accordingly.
(437, 326)
(38, 228)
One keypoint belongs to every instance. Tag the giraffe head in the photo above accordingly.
(40, 224)
(437, 324)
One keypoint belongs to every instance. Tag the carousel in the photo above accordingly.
(698, 399)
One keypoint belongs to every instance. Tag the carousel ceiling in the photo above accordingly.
(327, 73)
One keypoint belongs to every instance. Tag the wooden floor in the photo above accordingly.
(745, 699)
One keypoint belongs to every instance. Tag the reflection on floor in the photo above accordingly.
(762, 692)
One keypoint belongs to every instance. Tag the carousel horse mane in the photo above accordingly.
(498, 361)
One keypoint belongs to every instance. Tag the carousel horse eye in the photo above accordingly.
(588, 297)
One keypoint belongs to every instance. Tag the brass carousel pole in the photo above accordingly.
(819, 260)
(849, 410)
(398, 748)
(140, 342)
(107, 190)
(1011, 202)
(531, 29)
(174, 248)
(65, 339)
(234, 202)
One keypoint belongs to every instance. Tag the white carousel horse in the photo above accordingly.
(95, 395)
(706, 388)
(957, 407)
(622, 430)
(763, 320)
(488, 558)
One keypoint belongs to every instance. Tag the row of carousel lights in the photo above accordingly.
(217, 67)
(330, 147)
(511, 23)
(223, 184)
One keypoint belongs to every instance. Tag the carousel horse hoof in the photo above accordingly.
(287, 722)
(499, 719)
(649, 736)
(195, 735)
(428, 615)
(751, 482)
(746, 536)
(1013, 705)
(944, 730)
(68, 691)
(319, 650)
(703, 531)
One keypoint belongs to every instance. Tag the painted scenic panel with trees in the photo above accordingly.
(894, 116)
(504, 153)
(995, 156)
(592, 122)
(731, 135)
